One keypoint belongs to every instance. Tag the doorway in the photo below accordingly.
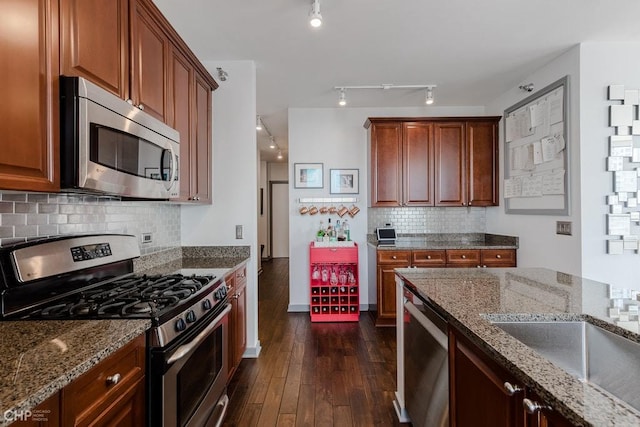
(279, 218)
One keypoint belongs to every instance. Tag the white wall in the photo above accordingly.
(602, 64)
(335, 137)
(539, 245)
(235, 178)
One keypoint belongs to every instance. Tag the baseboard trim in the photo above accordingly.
(252, 352)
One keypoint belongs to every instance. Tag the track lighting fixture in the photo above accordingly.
(342, 101)
(315, 18)
(429, 97)
(527, 88)
(272, 143)
(280, 155)
(222, 74)
(258, 123)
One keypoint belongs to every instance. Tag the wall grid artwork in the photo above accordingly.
(623, 218)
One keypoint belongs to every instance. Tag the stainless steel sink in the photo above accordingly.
(586, 351)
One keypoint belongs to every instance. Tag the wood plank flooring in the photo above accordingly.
(312, 374)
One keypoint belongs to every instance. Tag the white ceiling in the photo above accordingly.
(472, 50)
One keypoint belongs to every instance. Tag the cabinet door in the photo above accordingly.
(386, 164)
(546, 417)
(482, 163)
(386, 284)
(29, 112)
(180, 114)
(240, 341)
(450, 169)
(201, 157)
(417, 154)
(94, 42)
(150, 51)
(48, 412)
(478, 397)
(428, 258)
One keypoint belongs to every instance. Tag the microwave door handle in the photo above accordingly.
(185, 349)
(174, 165)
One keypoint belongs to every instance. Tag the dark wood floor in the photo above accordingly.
(312, 374)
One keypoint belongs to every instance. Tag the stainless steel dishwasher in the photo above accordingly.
(426, 364)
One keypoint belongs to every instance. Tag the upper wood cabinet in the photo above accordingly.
(94, 42)
(150, 47)
(29, 113)
(433, 161)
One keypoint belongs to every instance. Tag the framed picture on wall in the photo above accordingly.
(308, 175)
(345, 181)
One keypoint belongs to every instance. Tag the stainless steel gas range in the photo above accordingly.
(91, 277)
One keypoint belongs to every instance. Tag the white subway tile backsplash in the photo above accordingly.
(419, 220)
(24, 216)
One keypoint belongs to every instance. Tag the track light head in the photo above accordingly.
(527, 88)
(279, 155)
(272, 143)
(315, 18)
(258, 123)
(429, 96)
(342, 101)
(222, 74)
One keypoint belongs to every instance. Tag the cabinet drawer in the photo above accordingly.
(394, 257)
(342, 255)
(499, 257)
(463, 257)
(94, 390)
(428, 258)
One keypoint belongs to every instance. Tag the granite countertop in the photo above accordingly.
(38, 358)
(470, 298)
(448, 241)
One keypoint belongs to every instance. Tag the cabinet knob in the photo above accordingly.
(141, 107)
(428, 256)
(498, 256)
(394, 257)
(113, 379)
(511, 389)
(463, 257)
(462, 203)
(130, 101)
(532, 407)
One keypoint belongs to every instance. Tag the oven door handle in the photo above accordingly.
(185, 349)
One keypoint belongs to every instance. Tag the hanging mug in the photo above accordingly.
(303, 210)
(353, 211)
(342, 211)
(332, 210)
(313, 210)
(324, 210)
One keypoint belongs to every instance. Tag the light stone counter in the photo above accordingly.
(470, 298)
(38, 358)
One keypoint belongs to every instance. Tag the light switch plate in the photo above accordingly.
(563, 227)
(147, 238)
(239, 232)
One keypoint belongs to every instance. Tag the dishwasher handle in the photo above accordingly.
(436, 332)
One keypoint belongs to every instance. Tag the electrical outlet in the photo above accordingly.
(239, 232)
(147, 238)
(563, 227)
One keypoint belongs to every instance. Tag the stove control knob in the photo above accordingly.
(181, 325)
(206, 304)
(191, 316)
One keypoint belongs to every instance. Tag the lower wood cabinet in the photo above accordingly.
(112, 393)
(237, 284)
(484, 394)
(388, 260)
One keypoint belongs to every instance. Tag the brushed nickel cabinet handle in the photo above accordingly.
(511, 389)
(532, 407)
(113, 379)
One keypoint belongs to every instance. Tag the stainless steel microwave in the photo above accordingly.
(109, 146)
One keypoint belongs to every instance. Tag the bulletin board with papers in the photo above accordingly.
(536, 150)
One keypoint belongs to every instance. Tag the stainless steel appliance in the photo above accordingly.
(90, 277)
(426, 366)
(111, 147)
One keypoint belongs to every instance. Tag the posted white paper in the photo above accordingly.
(512, 188)
(549, 150)
(555, 108)
(537, 153)
(532, 186)
(553, 183)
